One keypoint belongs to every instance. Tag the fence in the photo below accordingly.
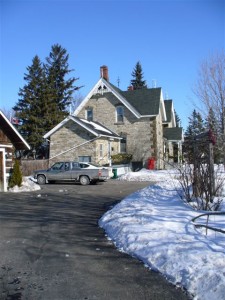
(29, 166)
(214, 226)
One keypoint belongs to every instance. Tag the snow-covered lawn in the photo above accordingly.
(154, 225)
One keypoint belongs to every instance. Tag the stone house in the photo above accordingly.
(10, 141)
(110, 121)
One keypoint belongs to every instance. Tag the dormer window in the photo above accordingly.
(119, 114)
(89, 114)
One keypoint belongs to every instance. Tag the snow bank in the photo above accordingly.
(28, 185)
(155, 226)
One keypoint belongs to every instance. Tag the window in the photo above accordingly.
(119, 114)
(123, 145)
(101, 150)
(75, 165)
(89, 114)
(84, 158)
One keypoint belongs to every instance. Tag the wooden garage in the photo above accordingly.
(10, 141)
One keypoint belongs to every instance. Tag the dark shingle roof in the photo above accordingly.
(145, 101)
(168, 108)
(173, 134)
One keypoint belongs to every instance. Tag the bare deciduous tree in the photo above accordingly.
(210, 90)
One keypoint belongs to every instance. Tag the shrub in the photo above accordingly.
(121, 158)
(16, 176)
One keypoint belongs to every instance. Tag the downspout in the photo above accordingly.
(74, 148)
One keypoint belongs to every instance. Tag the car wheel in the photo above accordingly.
(84, 180)
(41, 179)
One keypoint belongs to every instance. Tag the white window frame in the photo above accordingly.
(121, 150)
(120, 115)
(84, 158)
(89, 109)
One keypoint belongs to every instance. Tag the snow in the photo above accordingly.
(96, 126)
(155, 226)
(28, 185)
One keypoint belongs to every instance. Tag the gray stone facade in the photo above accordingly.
(139, 130)
(144, 136)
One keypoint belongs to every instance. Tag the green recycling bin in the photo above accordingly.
(114, 173)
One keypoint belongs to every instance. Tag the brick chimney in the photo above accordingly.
(104, 73)
(130, 88)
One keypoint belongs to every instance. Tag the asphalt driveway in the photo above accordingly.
(51, 247)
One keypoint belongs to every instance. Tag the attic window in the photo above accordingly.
(102, 88)
(89, 114)
(119, 114)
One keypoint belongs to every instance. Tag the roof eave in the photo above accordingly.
(148, 116)
(113, 91)
(111, 137)
(16, 132)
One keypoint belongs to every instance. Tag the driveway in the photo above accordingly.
(52, 248)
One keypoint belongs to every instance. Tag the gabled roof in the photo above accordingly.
(101, 87)
(95, 128)
(173, 134)
(170, 117)
(142, 103)
(12, 133)
(146, 101)
(168, 107)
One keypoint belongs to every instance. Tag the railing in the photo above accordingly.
(206, 225)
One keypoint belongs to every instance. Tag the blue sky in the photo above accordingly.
(169, 38)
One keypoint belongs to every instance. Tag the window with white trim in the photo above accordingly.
(84, 158)
(119, 114)
(89, 114)
(123, 145)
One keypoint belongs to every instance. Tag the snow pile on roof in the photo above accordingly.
(155, 226)
(96, 126)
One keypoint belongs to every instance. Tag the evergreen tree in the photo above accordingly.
(177, 119)
(213, 124)
(45, 97)
(16, 177)
(137, 74)
(195, 127)
(29, 108)
(60, 90)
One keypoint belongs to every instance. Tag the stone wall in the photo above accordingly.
(72, 141)
(144, 136)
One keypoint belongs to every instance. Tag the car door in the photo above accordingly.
(76, 170)
(59, 171)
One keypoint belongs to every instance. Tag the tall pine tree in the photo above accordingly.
(196, 125)
(177, 119)
(60, 90)
(45, 97)
(137, 74)
(214, 125)
(29, 108)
